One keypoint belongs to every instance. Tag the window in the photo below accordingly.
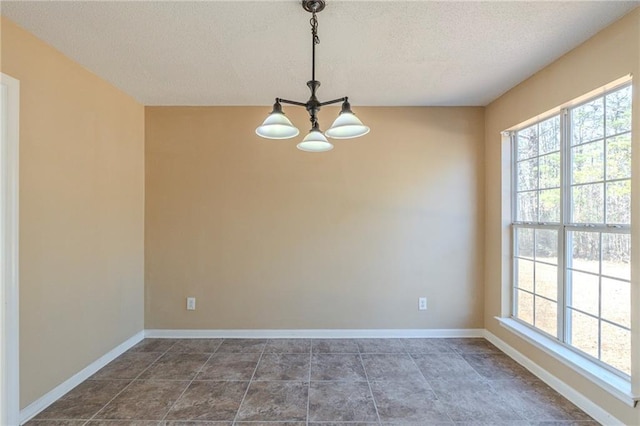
(571, 227)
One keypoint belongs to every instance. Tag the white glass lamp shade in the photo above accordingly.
(315, 142)
(347, 126)
(277, 126)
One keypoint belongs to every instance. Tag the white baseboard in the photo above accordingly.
(313, 333)
(50, 397)
(581, 401)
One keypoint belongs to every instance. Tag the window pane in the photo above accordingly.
(550, 135)
(584, 333)
(587, 202)
(619, 111)
(587, 122)
(584, 292)
(585, 251)
(550, 170)
(547, 280)
(528, 207)
(547, 316)
(547, 245)
(528, 175)
(616, 347)
(616, 255)
(524, 274)
(619, 157)
(549, 205)
(619, 202)
(616, 301)
(525, 306)
(524, 242)
(587, 163)
(528, 142)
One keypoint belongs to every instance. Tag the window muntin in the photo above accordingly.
(538, 172)
(599, 295)
(571, 227)
(600, 158)
(536, 277)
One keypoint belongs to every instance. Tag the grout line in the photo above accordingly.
(35, 422)
(429, 384)
(309, 384)
(366, 375)
(114, 421)
(219, 344)
(421, 373)
(500, 396)
(133, 380)
(235, 419)
(187, 387)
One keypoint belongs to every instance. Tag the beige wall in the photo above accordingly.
(81, 213)
(267, 236)
(608, 56)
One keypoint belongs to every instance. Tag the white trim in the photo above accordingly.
(574, 102)
(587, 405)
(314, 333)
(581, 401)
(9, 302)
(59, 391)
(602, 377)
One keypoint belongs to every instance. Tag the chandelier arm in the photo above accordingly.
(335, 101)
(286, 101)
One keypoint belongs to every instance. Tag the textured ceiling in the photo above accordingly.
(376, 52)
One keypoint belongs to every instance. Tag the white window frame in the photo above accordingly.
(535, 226)
(610, 379)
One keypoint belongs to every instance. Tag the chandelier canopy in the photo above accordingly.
(346, 126)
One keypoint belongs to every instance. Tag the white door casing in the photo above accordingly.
(9, 360)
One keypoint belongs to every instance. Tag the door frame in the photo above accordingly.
(9, 295)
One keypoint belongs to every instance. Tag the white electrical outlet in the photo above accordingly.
(191, 303)
(422, 303)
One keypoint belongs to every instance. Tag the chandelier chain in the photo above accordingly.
(314, 28)
(314, 40)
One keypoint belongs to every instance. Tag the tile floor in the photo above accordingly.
(296, 382)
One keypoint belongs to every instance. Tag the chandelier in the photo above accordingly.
(346, 126)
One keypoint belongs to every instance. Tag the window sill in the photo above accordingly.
(610, 382)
